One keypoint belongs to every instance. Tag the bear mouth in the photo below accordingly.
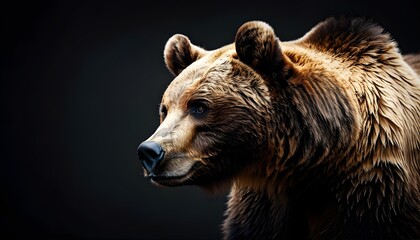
(175, 180)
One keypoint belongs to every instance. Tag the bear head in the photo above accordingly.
(231, 112)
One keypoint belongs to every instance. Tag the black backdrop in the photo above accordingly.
(80, 88)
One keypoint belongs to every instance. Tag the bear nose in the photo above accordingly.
(150, 154)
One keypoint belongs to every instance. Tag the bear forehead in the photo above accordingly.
(214, 65)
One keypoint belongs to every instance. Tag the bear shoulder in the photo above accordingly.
(349, 38)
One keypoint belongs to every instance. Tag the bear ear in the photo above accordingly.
(179, 53)
(257, 46)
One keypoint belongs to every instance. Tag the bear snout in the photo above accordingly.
(151, 155)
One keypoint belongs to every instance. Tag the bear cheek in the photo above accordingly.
(219, 148)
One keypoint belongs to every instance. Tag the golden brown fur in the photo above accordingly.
(319, 137)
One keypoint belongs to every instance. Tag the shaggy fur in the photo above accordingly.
(319, 138)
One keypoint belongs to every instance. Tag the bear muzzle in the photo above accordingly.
(166, 169)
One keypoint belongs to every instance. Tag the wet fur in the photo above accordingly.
(318, 136)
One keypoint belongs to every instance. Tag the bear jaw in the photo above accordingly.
(180, 176)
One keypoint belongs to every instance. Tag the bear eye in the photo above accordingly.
(198, 108)
(163, 111)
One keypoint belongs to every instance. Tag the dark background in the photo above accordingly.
(80, 88)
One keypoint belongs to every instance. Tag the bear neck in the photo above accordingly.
(257, 214)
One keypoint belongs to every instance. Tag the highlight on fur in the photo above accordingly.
(317, 138)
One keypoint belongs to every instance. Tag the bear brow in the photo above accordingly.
(189, 93)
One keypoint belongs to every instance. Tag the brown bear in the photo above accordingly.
(318, 138)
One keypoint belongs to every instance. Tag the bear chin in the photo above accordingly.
(199, 175)
(172, 179)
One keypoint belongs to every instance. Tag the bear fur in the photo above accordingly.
(318, 138)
